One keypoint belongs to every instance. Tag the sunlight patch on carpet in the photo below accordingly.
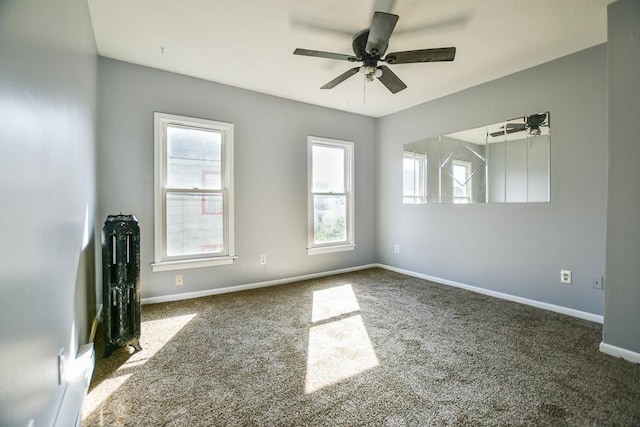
(333, 302)
(162, 331)
(338, 349)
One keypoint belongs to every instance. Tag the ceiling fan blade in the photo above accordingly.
(321, 54)
(311, 24)
(342, 77)
(456, 21)
(390, 80)
(511, 128)
(421, 55)
(382, 26)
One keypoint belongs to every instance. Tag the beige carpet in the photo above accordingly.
(365, 348)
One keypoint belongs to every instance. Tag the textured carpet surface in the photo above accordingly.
(366, 348)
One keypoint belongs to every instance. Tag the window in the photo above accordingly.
(461, 181)
(414, 177)
(330, 195)
(193, 192)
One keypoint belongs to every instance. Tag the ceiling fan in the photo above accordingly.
(369, 47)
(532, 123)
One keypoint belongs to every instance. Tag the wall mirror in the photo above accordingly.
(505, 162)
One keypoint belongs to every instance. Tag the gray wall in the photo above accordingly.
(48, 70)
(270, 172)
(517, 249)
(622, 286)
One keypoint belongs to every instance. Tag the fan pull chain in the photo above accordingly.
(364, 91)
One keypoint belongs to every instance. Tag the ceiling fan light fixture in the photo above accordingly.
(370, 72)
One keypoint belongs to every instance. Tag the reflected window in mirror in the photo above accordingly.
(461, 181)
(414, 177)
(415, 170)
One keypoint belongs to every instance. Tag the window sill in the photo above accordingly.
(329, 249)
(191, 263)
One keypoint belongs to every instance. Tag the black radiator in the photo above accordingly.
(121, 282)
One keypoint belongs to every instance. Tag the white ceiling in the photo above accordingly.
(249, 43)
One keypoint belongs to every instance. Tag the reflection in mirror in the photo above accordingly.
(519, 160)
(506, 162)
(415, 172)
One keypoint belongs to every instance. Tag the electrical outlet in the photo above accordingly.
(597, 282)
(179, 280)
(263, 259)
(397, 249)
(565, 276)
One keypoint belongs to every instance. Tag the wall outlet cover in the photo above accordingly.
(565, 276)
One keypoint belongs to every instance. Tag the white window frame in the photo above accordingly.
(162, 261)
(468, 197)
(348, 244)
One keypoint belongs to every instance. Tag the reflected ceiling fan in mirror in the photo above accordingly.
(531, 123)
(369, 47)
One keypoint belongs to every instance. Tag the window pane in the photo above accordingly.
(194, 158)
(413, 176)
(460, 177)
(461, 181)
(328, 169)
(329, 219)
(194, 223)
(409, 177)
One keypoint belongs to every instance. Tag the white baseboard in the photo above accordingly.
(612, 350)
(546, 306)
(218, 291)
(604, 348)
(77, 377)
